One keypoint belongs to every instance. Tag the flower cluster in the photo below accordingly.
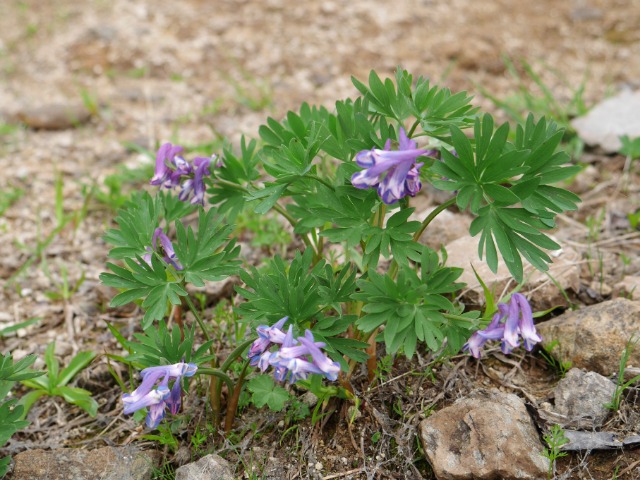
(291, 361)
(508, 324)
(167, 247)
(172, 167)
(158, 398)
(402, 172)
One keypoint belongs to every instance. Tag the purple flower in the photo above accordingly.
(166, 154)
(508, 324)
(291, 361)
(172, 169)
(402, 172)
(267, 336)
(167, 247)
(202, 169)
(160, 397)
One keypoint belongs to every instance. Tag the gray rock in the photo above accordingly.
(208, 467)
(590, 441)
(594, 337)
(107, 463)
(56, 116)
(544, 293)
(628, 287)
(487, 435)
(610, 119)
(581, 396)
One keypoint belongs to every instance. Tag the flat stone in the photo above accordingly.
(208, 467)
(609, 120)
(57, 116)
(485, 436)
(594, 337)
(107, 463)
(590, 441)
(545, 294)
(628, 287)
(581, 396)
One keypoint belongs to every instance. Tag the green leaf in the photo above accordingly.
(80, 397)
(77, 364)
(265, 392)
(409, 306)
(52, 364)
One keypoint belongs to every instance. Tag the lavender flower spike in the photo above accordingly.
(172, 169)
(494, 331)
(202, 169)
(169, 253)
(267, 336)
(508, 324)
(160, 397)
(166, 153)
(402, 171)
(527, 329)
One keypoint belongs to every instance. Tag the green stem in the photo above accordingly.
(381, 212)
(235, 354)
(193, 309)
(280, 209)
(456, 317)
(214, 372)
(425, 223)
(413, 128)
(322, 181)
(227, 363)
(235, 186)
(215, 385)
(277, 207)
(234, 398)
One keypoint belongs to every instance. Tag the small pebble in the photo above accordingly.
(318, 466)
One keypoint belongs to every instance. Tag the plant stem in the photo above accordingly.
(214, 372)
(413, 128)
(214, 385)
(193, 309)
(425, 223)
(281, 210)
(232, 404)
(322, 181)
(235, 354)
(177, 317)
(224, 367)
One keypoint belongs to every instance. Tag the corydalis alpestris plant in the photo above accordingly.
(345, 178)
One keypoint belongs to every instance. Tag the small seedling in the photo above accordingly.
(9, 196)
(13, 328)
(56, 380)
(621, 385)
(165, 437)
(11, 414)
(559, 366)
(555, 439)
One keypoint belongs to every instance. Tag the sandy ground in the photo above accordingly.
(195, 71)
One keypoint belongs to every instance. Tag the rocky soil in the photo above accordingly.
(85, 87)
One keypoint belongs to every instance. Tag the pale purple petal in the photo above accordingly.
(133, 402)
(155, 415)
(511, 327)
(402, 172)
(202, 169)
(527, 328)
(174, 400)
(329, 369)
(364, 179)
(166, 154)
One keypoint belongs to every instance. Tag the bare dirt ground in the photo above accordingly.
(195, 71)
